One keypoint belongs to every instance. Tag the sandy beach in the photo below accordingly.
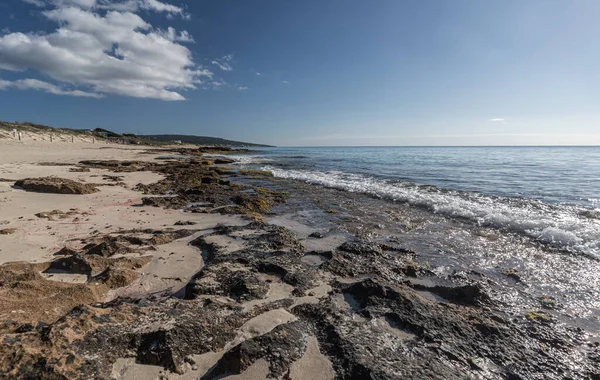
(38, 225)
(171, 265)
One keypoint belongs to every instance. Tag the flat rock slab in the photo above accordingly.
(55, 185)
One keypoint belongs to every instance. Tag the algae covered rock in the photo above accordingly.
(55, 185)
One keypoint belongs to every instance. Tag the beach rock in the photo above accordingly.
(470, 294)
(157, 201)
(223, 161)
(79, 170)
(277, 238)
(185, 223)
(74, 263)
(117, 166)
(115, 277)
(383, 330)
(363, 248)
(165, 237)
(209, 179)
(56, 214)
(55, 185)
(8, 231)
(279, 347)
(107, 249)
(239, 284)
(65, 251)
(291, 270)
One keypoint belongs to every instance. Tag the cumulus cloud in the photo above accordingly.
(243, 88)
(104, 47)
(224, 63)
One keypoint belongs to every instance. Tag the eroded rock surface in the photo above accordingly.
(55, 185)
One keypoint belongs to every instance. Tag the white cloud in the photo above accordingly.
(285, 81)
(243, 88)
(217, 84)
(87, 4)
(497, 120)
(172, 35)
(37, 3)
(105, 52)
(116, 5)
(155, 5)
(4, 84)
(224, 63)
(35, 84)
(259, 74)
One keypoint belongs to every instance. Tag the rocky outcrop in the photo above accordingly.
(55, 185)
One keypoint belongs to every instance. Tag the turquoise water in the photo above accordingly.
(551, 194)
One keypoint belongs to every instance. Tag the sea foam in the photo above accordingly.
(561, 226)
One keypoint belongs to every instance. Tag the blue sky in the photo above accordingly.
(311, 72)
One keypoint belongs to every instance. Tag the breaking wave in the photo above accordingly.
(242, 159)
(570, 228)
(248, 160)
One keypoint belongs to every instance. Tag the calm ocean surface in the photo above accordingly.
(549, 193)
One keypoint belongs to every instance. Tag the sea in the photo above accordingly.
(550, 194)
(525, 221)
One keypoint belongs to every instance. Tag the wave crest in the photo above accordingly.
(563, 227)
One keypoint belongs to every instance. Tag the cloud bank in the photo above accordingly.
(104, 47)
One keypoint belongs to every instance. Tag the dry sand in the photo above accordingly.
(37, 239)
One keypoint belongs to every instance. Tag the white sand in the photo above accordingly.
(109, 210)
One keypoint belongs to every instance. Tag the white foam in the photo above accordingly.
(242, 159)
(559, 226)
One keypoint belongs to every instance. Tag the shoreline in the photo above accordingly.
(231, 286)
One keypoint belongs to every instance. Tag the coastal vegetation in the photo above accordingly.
(7, 128)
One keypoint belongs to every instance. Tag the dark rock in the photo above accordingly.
(223, 161)
(74, 263)
(472, 294)
(8, 231)
(55, 185)
(115, 278)
(362, 248)
(185, 223)
(107, 249)
(79, 170)
(278, 238)
(66, 252)
(156, 348)
(241, 285)
(210, 179)
(280, 347)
